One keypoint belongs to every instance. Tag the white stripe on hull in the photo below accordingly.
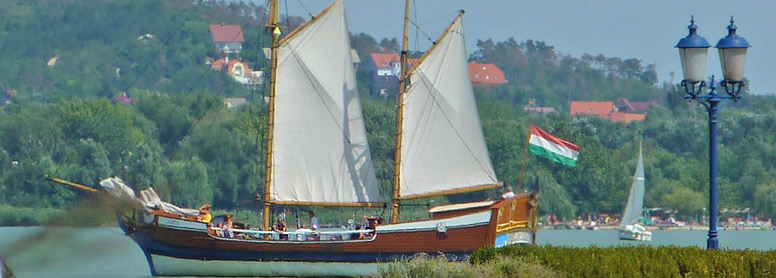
(169, 266)
(476, 219)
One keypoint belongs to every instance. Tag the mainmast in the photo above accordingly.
(273, 27)
(400, 116)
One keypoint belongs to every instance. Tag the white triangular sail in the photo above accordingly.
(320, 151)
(635, 204)
(443, 147)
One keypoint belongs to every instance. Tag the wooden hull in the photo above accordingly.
(182, 247)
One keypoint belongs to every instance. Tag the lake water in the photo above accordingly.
(106, 252)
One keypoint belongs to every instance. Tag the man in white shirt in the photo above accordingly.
(508, 194)
(313, 220)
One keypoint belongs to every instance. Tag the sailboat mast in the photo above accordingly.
(273, 27)
(400, 115)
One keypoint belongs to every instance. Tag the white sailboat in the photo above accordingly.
(630, 229)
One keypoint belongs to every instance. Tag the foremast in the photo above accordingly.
(400, 116)
(273, 27)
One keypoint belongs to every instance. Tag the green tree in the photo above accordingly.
(684, 199)
(186, 183)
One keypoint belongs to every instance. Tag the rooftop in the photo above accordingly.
(226, 33)
(486, 74)
(385, 60)
(602, 109)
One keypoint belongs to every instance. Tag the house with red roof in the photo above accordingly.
(601, 109)
(385, 64)
(624, 105)
(385, 68)
(605, 110)
(228, 38)
(239, 71)
(486, 74)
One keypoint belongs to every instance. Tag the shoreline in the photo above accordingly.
(659, 228)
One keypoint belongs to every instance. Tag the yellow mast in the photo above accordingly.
(273, 27)
(400, 116)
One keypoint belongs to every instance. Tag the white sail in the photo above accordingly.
(320, 150)
(443, 148)
(636, 197)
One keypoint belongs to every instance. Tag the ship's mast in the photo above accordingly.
(400, 116)
(273, 27)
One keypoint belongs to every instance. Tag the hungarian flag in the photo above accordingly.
(553, 148)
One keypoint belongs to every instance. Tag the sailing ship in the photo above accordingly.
(318, 155)
(630, 229)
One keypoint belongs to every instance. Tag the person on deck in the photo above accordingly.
(280, 227)
(508, 194)
(227, 226)
(204, 213)
(314, 235)
(313, 221)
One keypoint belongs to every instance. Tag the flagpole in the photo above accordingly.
(525, 159)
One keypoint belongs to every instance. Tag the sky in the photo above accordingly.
(645, 30)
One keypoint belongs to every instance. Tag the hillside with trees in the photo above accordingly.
(179, 137)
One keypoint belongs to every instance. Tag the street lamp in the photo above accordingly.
(693, 51)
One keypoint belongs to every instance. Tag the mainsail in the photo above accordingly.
(636, 198)
(443, 146)
(320, 153)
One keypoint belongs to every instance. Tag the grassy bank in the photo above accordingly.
(550, 261)
(91, 212)
(498, 266)
(16, 216)
(645, 261)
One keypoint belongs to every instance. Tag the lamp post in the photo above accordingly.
(693, 51)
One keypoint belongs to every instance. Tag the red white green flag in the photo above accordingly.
(553, 148)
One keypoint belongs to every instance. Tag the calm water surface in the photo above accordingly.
(106, 252)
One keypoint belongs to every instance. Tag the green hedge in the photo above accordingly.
(668, 261)
(16, 216)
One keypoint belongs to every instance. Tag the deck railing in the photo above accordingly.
(300, 236)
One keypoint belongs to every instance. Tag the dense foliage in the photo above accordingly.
(424, 267)
(178, 136)
(638, 261)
